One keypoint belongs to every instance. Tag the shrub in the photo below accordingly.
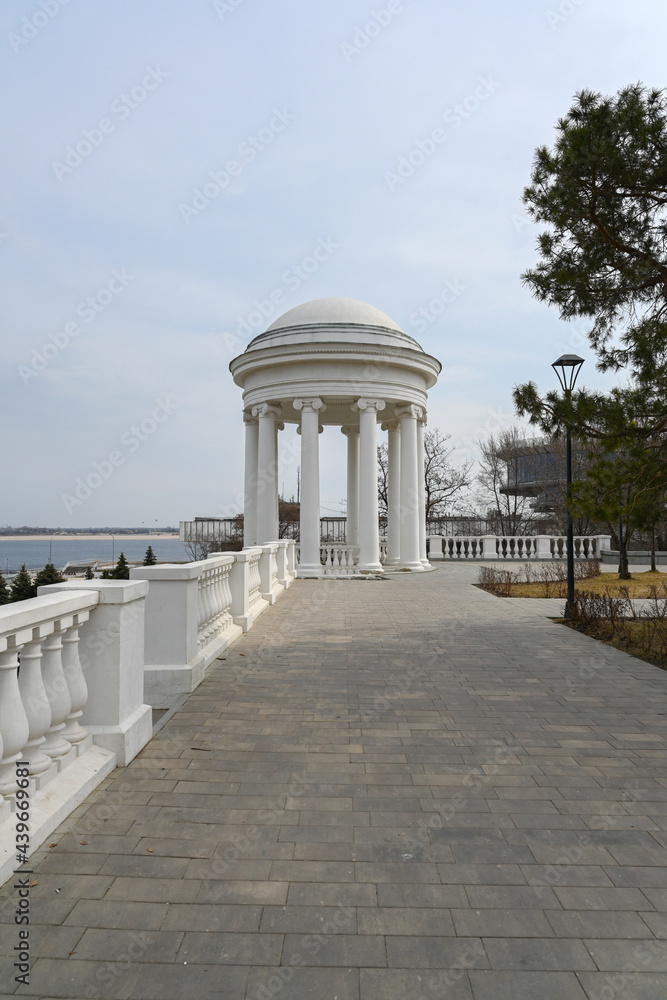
(497, 581)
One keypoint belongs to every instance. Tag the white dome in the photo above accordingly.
(334, 310)
(334, 320)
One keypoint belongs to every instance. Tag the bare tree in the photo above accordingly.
(383, 479)
(198, 550)
(443, 479)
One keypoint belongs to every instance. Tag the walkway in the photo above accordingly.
(403, 789)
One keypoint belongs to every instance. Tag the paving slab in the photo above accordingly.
(406, 788)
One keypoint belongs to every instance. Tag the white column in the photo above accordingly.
(276, 498)
(267, 472)
(393, 491)
(369, 535)
(309, 558)
(409, 559)
(250, 491)
(351, 431)
(421, 458)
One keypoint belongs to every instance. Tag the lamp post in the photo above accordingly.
(567, 369)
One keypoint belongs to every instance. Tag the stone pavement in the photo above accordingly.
(403, 789)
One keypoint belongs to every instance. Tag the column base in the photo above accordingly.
(370, 568)
(392, 562)
(305, 571)
(411, 567)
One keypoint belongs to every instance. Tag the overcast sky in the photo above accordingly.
(126, 293)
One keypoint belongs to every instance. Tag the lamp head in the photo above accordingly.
(567, 369)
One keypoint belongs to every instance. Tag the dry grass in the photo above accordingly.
(637, 639)
(638, 586)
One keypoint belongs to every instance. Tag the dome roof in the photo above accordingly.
(334, 320)
(334, 310)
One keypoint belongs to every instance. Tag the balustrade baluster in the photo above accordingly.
(214, 603)
(218, 596)
(35, 704)
(58, 695)
(201, 609)
(78, 689)
(225, 596)
(205, 607)
(14, 724)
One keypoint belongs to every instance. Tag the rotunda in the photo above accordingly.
(341, 362)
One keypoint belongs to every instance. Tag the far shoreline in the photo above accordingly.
(91, 538)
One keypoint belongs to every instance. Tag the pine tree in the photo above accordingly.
(22, 587)
(122, 570)
(5, 597)
(601, 192)
(149, 558)
(48, 575)
(89, 573)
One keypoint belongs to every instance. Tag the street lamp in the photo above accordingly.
(567, 369)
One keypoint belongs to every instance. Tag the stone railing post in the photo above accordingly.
(239, 583)
(291, 557)
(543, 547)
(172, 623)
(602, 543)
(489, 543)
(111, 652)
(270, 588)
(435, 546)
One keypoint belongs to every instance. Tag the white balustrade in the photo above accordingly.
(45, 698)
(339, 559)
(516, 547)
(215, 599)
(42, 692)
(195, 610)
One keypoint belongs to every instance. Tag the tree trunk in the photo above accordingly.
(653, 550)
(623, 568)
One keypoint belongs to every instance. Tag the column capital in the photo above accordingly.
(363, 405)
(249, 417)
(391, 425)
(410, 410)
(315, 404)
(267, 409)
(348, 429)
(320, 429)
